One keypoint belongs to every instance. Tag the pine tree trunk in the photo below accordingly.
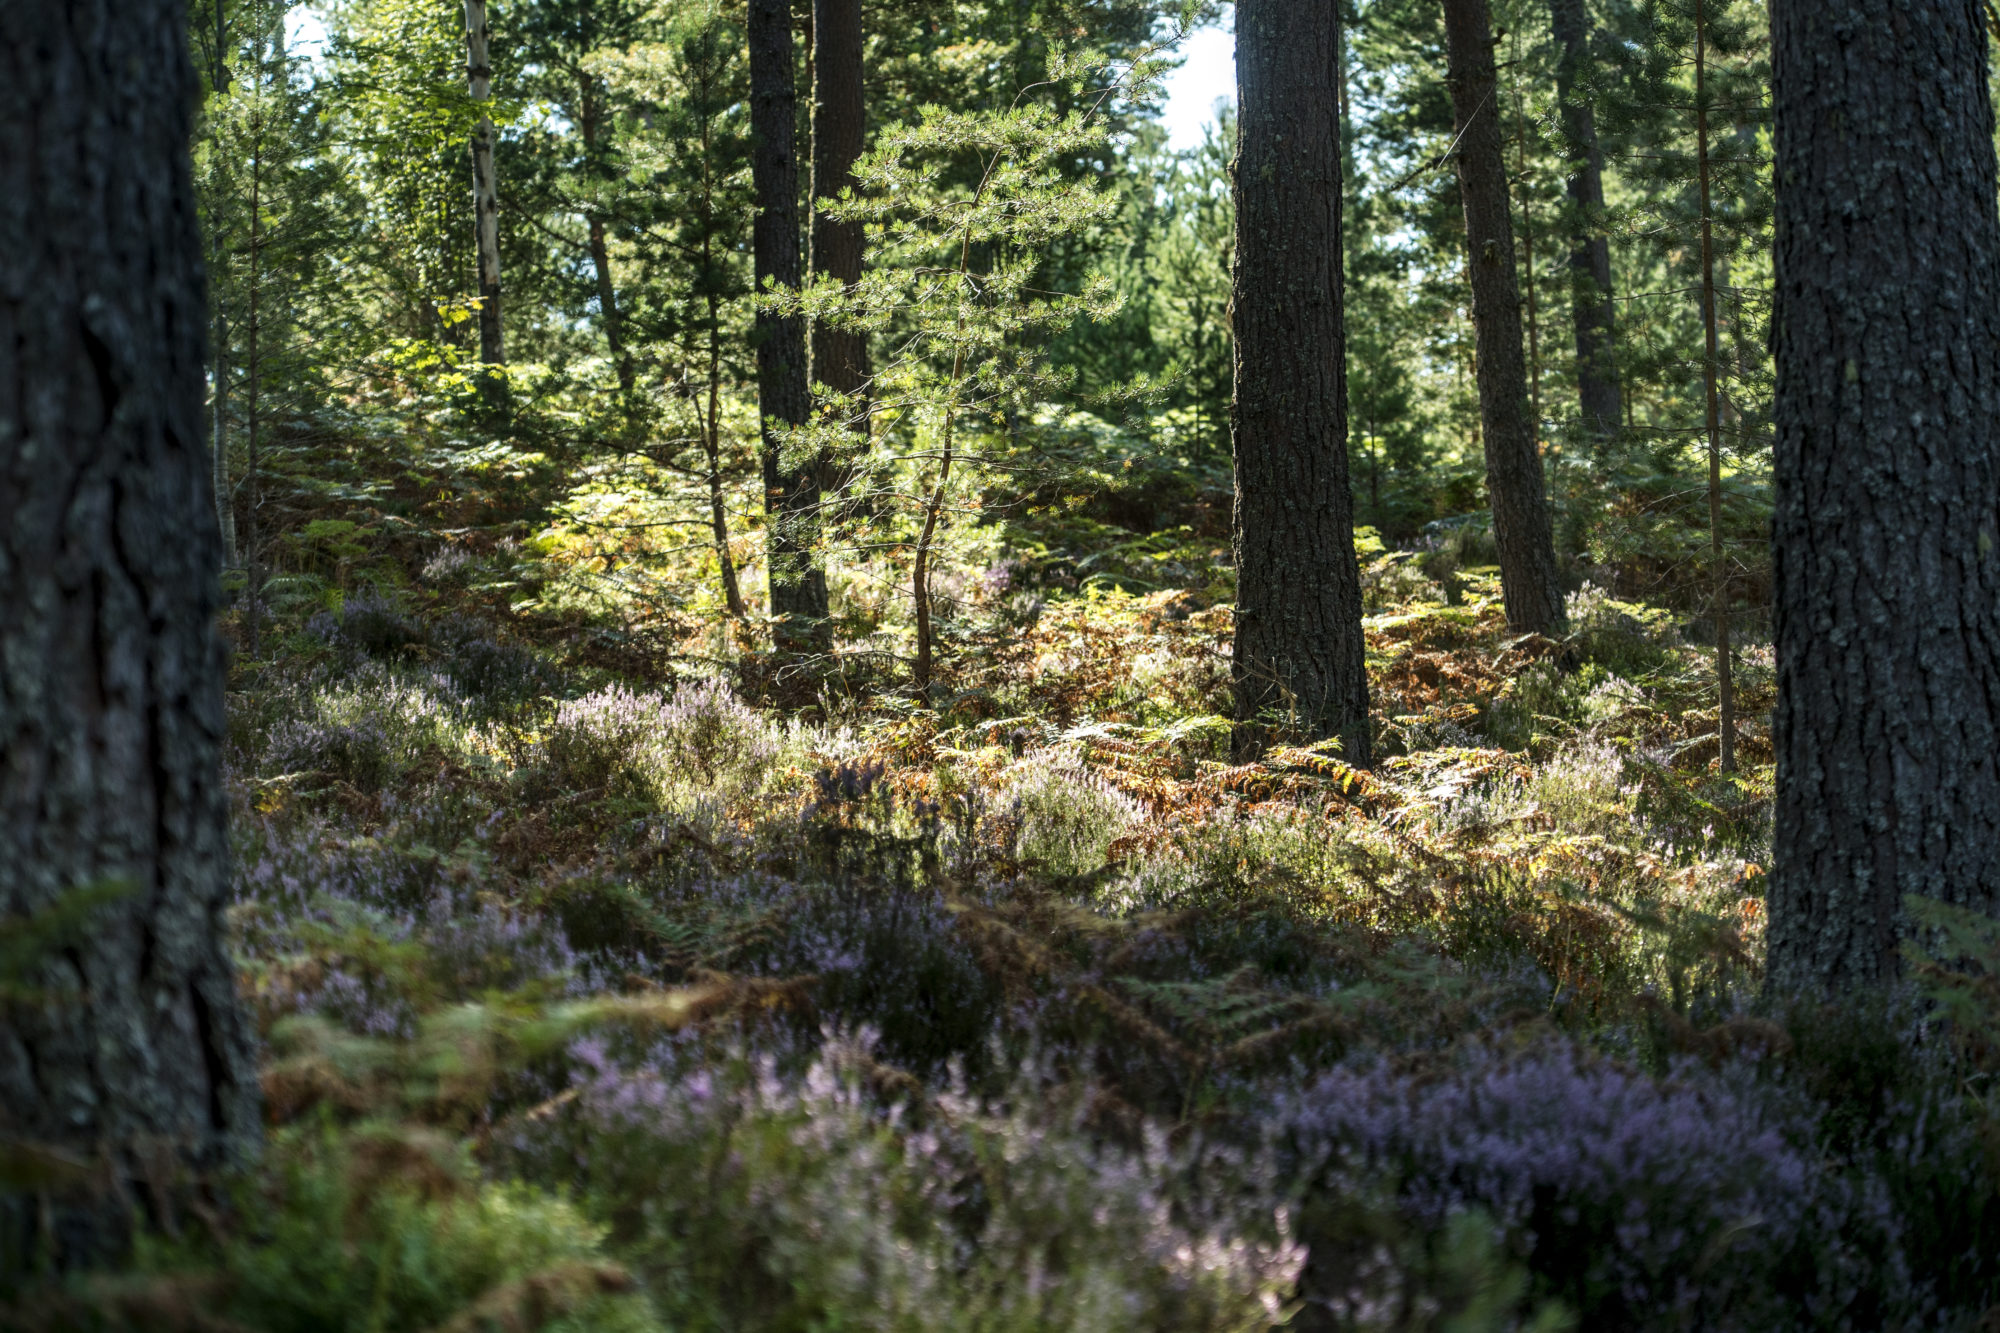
(590, 125)
(253, 385)
(1725, 682)
(1886, 532)
(136, 1056)
(1299, 654)
(839, 125)
(711, 438)
(1590, 251)
(225, 508)
(485, 192)
(607, 304)
(1522, 530)
(791, 494)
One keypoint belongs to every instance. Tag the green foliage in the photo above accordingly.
(1068, 817)
(379, 1228)
(766, 993)
(956, 282)
(1959, 973)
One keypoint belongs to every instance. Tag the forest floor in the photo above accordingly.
(610, 982)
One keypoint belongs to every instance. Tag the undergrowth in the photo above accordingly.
(758, 994)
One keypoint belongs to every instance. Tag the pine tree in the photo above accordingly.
(1522, 528)
(1298, 662)
(133, 1054)
(1591, 307)
(839, 134)
(959, 286)
(798, 591)
(1887, 533)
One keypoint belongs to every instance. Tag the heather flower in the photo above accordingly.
(1067, 816)
(1641, 1202)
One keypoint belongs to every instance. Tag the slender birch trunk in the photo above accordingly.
(711, 432)
(485, 193)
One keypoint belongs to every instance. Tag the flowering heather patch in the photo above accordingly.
(596, 747)
(708, 738)
(1693, 1200)
(1153, 1040)
(1068, 817)
(760, 1199)
(358, 753)
(371, 625)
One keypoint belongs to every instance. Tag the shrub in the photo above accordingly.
(359, 753)
(791, 1203)
(596, 746)
(493, 677)
(1067, 816)
(709, 736)
(392, 1231)
(1696, 1201)
(366, 727)
(450, 566)
(1623, 637)
(1529, 704)
(370, 625)
(1581, 788)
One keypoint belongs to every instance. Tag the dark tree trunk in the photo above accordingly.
(1299, 651)
(1711, 382)
(607, 304)
(839, 125)
(1590, 250)
(1886, 533)
(1521, 527)
(791, 494)
(136, 1055)
(590, 122)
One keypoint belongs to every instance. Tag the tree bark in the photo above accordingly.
(225, 507)
(590, 124)
(1725, 683)
(1597, 383)
(1522, 530)
(485, 192)
(1886, 531)
(839, 126)
(135, 1054)
(791, 494)
(1299, 654)
(711, 415)
(254, 386)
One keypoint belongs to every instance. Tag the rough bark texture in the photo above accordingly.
(110, 668)
(1299, 650)
(791, 495)
(839, 126)
(485, 192)
(1521, 526)
(1597, 382)
(1887, 525)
